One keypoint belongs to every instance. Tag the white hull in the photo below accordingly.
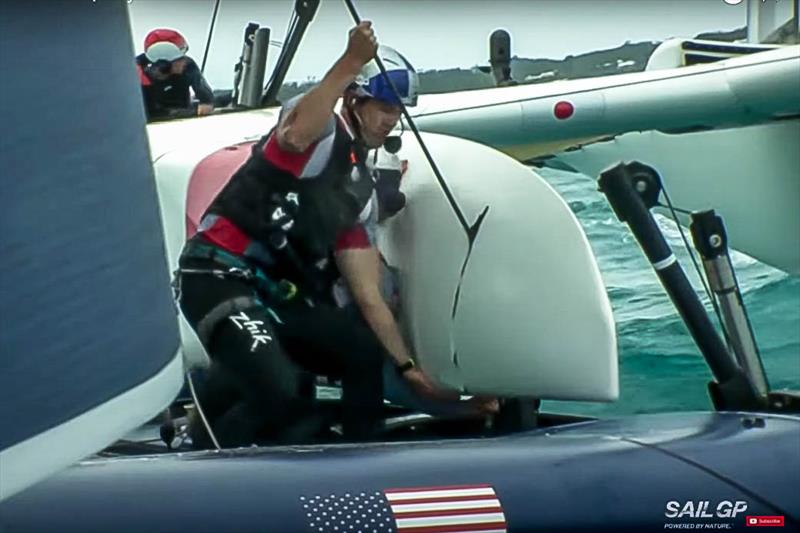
(745, 164)
(750, 176)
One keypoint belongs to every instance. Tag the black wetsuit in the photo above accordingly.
(252, 331)
(160, 96)
(254, 393)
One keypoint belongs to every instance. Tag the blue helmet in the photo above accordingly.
(371, 82)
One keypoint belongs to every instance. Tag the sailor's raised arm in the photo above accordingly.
(303, 125)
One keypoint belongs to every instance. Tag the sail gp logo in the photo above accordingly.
(702, 509)
(254, 327)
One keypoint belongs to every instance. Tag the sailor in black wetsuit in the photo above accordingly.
(256, 281)
(166, 73)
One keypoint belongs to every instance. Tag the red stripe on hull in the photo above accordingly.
(447, 512)
(488, 526)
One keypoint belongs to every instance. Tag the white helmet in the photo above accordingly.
(164, 44)
(371, 83)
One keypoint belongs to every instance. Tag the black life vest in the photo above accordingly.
(328, 203)
(162, 95)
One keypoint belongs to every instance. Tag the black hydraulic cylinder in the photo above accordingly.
(632, 189)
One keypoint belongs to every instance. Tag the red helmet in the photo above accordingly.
(164, 44)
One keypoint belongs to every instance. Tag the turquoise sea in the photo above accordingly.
(661, 369)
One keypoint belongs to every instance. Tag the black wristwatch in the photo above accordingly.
(405, 367)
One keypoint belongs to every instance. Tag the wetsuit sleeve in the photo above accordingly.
(313, 160)
(202, 90)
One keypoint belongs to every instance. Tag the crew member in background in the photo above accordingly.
(166, 73)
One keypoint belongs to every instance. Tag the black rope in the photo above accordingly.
(677, 209)
(210, 33)
(290, 28)
(471, 231)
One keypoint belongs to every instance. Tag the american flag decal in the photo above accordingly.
(446, 509)
(453, 509)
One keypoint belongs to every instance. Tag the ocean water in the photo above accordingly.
(661, 368)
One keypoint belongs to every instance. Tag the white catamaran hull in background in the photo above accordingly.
(750, 176)
(745, 163)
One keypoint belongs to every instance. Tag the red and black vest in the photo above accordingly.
(328, 203)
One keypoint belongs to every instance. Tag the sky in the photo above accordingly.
(432, 34)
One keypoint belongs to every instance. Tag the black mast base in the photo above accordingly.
(735, 394)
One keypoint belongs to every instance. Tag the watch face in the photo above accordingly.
(405, 367)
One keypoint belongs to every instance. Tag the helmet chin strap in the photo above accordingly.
(355, 119)
(357, 124)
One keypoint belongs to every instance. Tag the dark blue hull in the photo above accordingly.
(616, 475)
